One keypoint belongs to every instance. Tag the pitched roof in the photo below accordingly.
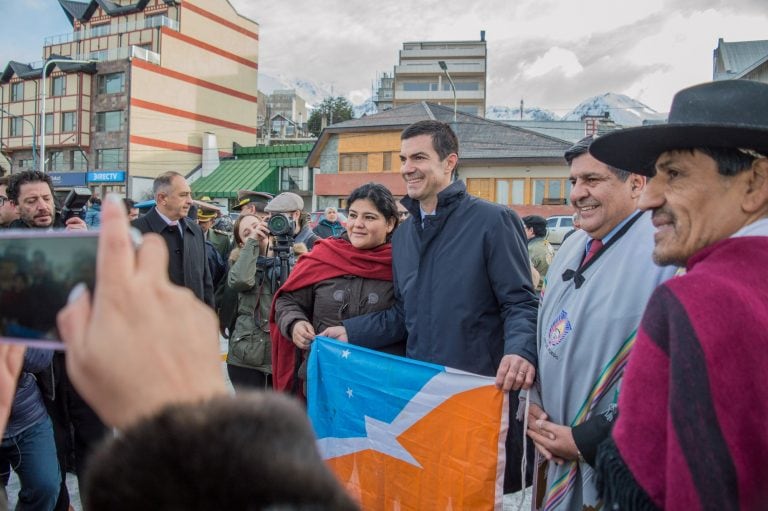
(233, 175)
(256, 168)
(479, 138)
(25, 71)
(82, 11)
(739, 58)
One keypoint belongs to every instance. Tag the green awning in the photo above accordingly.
(233, 175)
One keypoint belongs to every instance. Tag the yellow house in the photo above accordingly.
(500, 163)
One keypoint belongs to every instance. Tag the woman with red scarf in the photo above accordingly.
(340, 278)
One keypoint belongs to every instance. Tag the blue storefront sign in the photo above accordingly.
(106, 176)
(61, 179)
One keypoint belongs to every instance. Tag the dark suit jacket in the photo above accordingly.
(197, 275)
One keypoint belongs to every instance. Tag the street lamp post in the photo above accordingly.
(42, 103)
(444, 67)
(34, 133)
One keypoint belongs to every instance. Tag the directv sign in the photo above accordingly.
(103, 176)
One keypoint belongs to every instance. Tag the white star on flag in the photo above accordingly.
(345, 354)
(349, 392)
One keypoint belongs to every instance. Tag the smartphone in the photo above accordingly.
(38, 269)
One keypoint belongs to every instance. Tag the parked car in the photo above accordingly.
(557, 227)
(316, 216)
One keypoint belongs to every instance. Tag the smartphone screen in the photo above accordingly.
(38, 269)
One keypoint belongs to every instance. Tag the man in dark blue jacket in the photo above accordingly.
(464, 296)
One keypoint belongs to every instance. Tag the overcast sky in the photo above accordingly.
(551, 53)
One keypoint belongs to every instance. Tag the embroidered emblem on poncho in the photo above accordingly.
(557, 333)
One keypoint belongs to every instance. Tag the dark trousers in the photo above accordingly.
(245, 378)
(77, 429)
(514, 445)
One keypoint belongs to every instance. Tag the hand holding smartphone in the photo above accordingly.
(38, 269)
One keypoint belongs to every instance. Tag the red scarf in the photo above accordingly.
(329, 258)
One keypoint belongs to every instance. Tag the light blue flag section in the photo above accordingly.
(349, 387)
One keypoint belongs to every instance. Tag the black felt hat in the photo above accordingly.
(725, 114)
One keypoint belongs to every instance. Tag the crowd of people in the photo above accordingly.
(633, 366)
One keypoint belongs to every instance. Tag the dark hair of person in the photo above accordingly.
(129, 205)
(444, 140)
(28, 176)
(251, 453)
(729, 161)
(381, 198)
(236, 228)
(539, 229)
(582, 147)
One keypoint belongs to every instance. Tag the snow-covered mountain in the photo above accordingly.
(622, 109)
(312, 92)
(505, 113)
(367, 107)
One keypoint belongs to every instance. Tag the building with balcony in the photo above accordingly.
(159, 75)
(418, 76)
(289, 105)
(517, 167)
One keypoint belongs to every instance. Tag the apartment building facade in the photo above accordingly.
(148, 79)
(418, 76)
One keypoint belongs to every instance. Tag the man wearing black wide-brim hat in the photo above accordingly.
(693, 426)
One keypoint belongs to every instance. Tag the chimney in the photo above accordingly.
(482, 35)
(210, 154)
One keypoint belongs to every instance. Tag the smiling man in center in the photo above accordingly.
(463, 290)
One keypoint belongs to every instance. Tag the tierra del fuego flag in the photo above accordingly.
(407, 435)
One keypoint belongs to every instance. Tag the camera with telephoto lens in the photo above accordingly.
(74, 204)
(281, 225)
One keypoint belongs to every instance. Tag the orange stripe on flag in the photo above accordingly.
(460, 447)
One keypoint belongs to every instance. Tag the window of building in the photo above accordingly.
(418, 86)
(109, 159)
(66, 161)
(112, 83)
(353, 162)
(461, 85)
(24, 164)
(17, 128)
(68, 122)
(109, 121)
(55, 161)
(100, 30)
(17, 91)
(58, 85)
(387, 163)
(550, 191)
(48, 124)
(510, 191)
(294, 179)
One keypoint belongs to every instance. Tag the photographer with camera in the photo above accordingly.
(260, 264)
(31, 192)
(76, 428)
(287, 220)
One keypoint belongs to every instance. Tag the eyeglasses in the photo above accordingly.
(3, 199)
